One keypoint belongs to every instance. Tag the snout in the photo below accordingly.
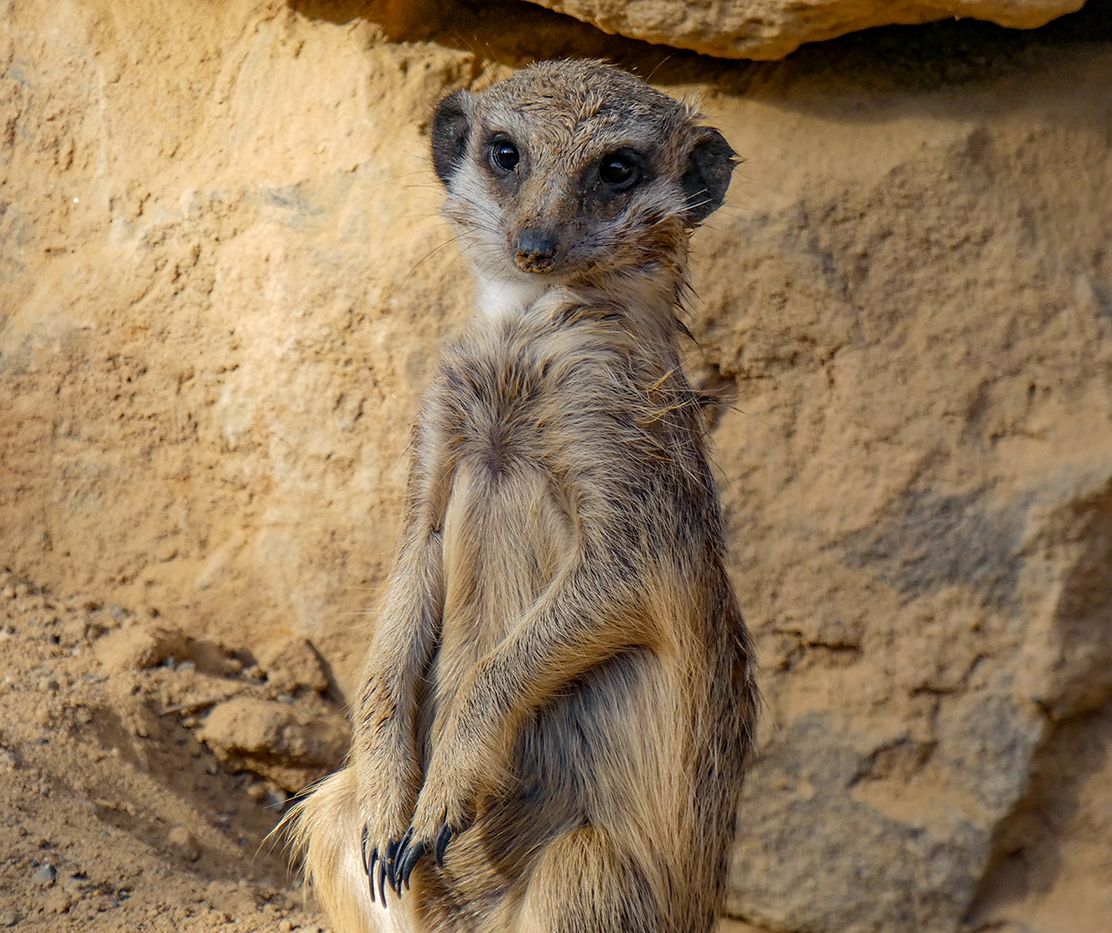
(535, 249)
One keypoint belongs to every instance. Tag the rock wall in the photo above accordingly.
(770, 29)
(223, 282)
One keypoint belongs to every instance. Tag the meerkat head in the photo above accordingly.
(573, 172)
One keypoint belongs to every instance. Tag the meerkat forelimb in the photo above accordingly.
(558, 700)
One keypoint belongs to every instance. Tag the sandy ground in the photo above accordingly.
(113, 815)
(115, 812)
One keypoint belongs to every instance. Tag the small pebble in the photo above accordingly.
(285, 926)
(183, 840)
(44, 874)
(9, 918)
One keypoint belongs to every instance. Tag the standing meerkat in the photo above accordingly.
(558, 700)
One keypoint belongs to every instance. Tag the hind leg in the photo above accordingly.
(582, 883)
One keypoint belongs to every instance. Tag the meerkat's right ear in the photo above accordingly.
(709, 169)
(451, 129)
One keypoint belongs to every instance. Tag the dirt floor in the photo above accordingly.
(114, 815)
(142, 772)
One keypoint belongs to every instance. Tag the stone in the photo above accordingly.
(184, 842)
(141, 646)
(287, 744)
(292, 664)
(771, 29)
(45, 874)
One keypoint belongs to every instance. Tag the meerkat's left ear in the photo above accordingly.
(451, 130)
(709, 168)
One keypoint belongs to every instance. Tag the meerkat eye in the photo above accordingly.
(504, 155)
(619, 171)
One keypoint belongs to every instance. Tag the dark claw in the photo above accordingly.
(408, 863)
(381, 880)
(396, 862)
(442, 839)
(368, 865)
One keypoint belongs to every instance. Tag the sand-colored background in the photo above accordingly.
(223, 283)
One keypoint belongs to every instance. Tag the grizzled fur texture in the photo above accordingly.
(558, 699)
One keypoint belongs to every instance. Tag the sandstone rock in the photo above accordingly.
(1068, 575)
(287, 744)
(1046, 851)
(770, 29)
(291, 664)
(969, 646)
(141, 646)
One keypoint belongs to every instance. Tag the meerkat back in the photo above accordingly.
(558, 700)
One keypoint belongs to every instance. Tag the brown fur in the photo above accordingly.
(560, 678)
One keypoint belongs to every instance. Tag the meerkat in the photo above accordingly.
(558, 700)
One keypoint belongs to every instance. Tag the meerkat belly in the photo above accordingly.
(505, 538)
(607, 735)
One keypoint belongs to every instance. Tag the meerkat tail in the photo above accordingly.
(322, 831)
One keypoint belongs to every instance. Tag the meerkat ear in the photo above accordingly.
(710, 166)
(451, 127)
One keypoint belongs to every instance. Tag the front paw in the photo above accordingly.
(380, 844)
(392, 847)
(400, 856)
(441, 815)
(388, 794)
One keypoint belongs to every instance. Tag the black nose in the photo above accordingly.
(536, 250)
